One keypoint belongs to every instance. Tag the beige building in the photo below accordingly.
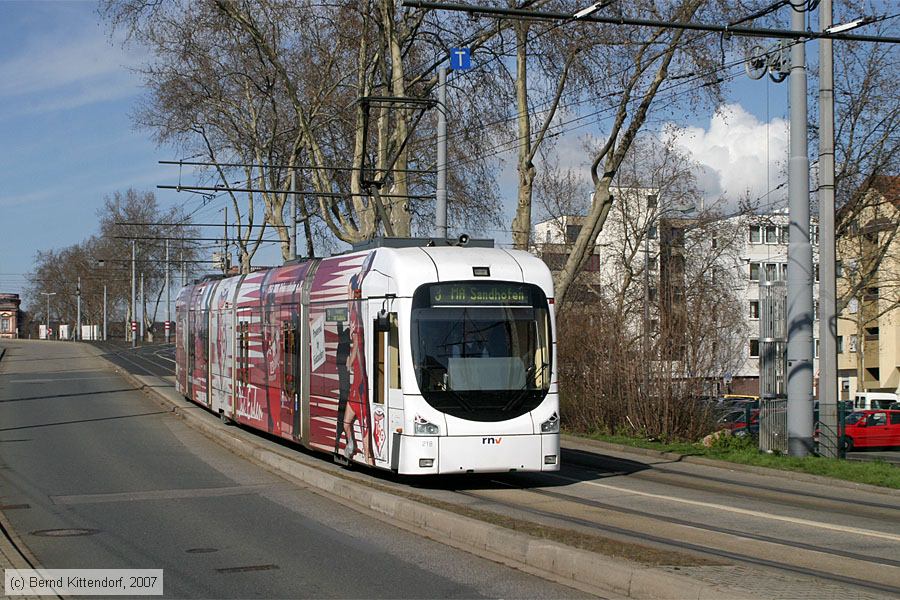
(869, 285)
(9, 315)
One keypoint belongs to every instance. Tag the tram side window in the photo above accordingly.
(394, 353)
(290, 358)
(203, 334)
(243, 352)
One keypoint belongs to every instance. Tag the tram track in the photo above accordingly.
(707, 551)
(707, 527)
(662, 475)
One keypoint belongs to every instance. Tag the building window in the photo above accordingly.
(653, 232)
(755, 235)
(572, 232)
(838, 269)
(754, 309)
(816, 271)
(651, 201)
(5, 324)
(815, 348)
(715, 242)
(784, 272)
(840, 344)
(754, 271)
(555, 261)
(771, 234)
(754, 348)
(814, 234)
(771, 272)
(785, 234)
(854, 341)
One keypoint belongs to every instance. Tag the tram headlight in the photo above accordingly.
(551, 425)
(424, 427)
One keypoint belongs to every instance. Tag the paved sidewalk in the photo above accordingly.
(11, 557)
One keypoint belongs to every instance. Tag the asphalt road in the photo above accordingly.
(94, 474)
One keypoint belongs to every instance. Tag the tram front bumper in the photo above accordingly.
(479, 454)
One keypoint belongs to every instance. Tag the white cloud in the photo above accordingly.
(733, 152)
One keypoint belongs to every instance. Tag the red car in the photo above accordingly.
(872, 428)
(735, 420)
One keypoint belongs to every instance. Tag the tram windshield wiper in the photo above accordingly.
(522, 392)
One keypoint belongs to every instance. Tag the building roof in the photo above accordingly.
(889, 186)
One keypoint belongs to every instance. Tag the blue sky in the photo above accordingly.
(66, 96)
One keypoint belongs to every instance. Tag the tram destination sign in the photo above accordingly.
(481, 294)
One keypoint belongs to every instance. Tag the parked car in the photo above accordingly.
(736, 422)
(871, 429)
(874, 400)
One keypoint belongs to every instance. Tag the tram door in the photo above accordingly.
(387, 407)
(190, 351)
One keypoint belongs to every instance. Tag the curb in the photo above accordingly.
(581, 569)
(571, 442)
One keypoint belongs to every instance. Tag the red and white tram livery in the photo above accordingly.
(419, 359)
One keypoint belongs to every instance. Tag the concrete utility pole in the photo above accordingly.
(799, 275)
(104, 312)
(441, 191)
(829, 440)
(646, 323)
(133, 307)
(141, 326)
(293, 244)
(225, 245)
(78, 310)
(168, 295)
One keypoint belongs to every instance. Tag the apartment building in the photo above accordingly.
(762, 256)
(757, 251)
(869, 285)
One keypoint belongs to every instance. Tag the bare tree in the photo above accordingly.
(659, 293)
(630, 68)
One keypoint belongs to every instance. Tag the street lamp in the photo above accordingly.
(102, 263)
(47, 326)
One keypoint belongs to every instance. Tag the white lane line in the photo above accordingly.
(741, 511)
(61, 379)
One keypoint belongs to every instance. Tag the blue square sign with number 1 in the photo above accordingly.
(460, 58)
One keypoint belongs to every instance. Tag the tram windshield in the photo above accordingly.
(482, 350)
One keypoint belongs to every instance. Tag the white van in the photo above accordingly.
(874, 400)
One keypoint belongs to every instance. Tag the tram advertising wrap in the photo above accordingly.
(422, 360)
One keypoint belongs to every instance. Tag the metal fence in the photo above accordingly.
(773, 434)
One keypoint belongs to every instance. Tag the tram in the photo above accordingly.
(422, 357)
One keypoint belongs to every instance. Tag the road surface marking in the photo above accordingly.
(742, 511)
(176, 494)
(61, 379)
